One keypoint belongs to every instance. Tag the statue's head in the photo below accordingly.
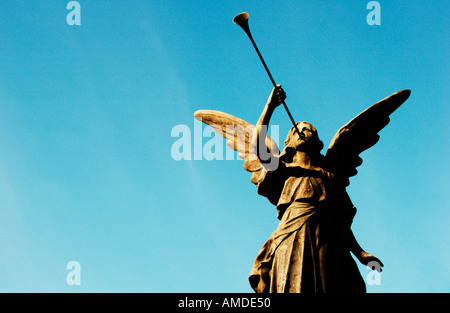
(308, 141)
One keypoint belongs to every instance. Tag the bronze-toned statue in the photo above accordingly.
(310, 249)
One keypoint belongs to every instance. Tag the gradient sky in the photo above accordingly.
(86, 115)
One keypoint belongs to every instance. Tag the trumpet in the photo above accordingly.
(242, 20)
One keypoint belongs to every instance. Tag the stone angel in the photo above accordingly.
(310, 251)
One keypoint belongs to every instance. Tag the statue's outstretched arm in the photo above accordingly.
(363, 256)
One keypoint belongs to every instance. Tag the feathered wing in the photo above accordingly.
(238, 134)
(360, 134)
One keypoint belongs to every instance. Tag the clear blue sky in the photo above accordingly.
(86, 114)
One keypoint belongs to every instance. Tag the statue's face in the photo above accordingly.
(308, 140)
(306, 134)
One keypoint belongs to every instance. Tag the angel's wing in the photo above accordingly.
(238, 134)
(360, 134)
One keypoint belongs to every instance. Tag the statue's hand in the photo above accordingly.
(276, 97)
(367, 259)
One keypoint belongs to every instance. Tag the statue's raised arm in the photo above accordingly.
(264, 154)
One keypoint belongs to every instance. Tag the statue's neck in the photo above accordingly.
(302, 159)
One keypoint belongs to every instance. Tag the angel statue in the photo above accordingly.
(310, 249)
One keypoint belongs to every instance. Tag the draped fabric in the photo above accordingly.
(307, 252)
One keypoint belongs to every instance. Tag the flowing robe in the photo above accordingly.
(308, 252)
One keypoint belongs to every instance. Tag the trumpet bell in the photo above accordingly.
(241, 18)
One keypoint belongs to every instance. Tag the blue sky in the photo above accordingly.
(86, 115)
